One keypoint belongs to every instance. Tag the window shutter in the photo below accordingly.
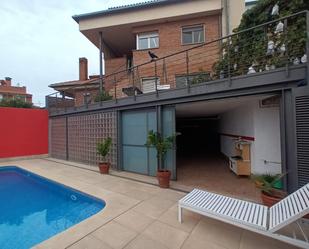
(302, 138)
(149, 85)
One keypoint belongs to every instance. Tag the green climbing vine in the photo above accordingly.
(268, 47)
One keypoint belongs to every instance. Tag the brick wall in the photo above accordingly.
(170, 36)
(113, 65)
(200, 60)
(80, 93)
(12, 91)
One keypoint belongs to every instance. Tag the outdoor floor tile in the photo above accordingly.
(171, 194)
(114, 235)
(153, 208)
(187, 213)
(144, 242)
(159, 201)
(170, 217)
(216, 232)
(138, 194)
(252, 240)
(149, 210)
(193, 243)
(169, 236)
(136, 221)
(89, 242)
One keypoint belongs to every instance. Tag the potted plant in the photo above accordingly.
(162, 145)
(275, 179)
(270, 186)
(103, 149)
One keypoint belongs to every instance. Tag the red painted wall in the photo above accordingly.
(23, 132)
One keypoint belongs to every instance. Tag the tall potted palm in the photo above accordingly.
(162, 145)
(103, 149)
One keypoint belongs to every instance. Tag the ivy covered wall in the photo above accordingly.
(267, 47)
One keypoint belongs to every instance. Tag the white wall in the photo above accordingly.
(267, 140)
(261, 123)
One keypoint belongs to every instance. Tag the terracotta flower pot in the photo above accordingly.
(164, 178)
(104, 167)
(272, 198)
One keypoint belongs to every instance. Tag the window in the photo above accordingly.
(149, 84)
(146, 41)
(1, 96)
(191, 35)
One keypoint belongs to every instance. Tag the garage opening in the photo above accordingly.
(223, 142)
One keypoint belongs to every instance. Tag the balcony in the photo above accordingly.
(268, 56)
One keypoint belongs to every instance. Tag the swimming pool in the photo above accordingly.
(33, 208)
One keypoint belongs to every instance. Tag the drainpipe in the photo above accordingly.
(225, 6)
(101, 61)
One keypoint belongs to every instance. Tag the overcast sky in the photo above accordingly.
(40, 42)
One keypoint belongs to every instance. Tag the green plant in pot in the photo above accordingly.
(102, 96)
(270, 186)
(103, 148)
(162, 145)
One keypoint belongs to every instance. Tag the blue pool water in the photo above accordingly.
(33, 208)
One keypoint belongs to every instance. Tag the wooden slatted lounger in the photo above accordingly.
(251, 216)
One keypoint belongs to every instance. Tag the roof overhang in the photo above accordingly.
(117, 24)
(69, 88)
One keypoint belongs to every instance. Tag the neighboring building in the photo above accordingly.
(81, 91)
(7, 91)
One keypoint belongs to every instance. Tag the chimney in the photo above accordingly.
(83, 68)
(8, 81)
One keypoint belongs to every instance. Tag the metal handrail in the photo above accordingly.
(228, 71)
(212, 41)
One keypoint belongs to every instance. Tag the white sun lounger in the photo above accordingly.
(251, 216)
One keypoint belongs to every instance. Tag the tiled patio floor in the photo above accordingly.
(138, 215)
(211, 172)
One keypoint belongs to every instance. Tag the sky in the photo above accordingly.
(40, 42)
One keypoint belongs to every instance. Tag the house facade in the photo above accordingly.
(128, 33)
(169, 70)
(7, 91)
(76, 92)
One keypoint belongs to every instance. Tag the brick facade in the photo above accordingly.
(7, 91)
(80, 97)
(194, 62)
(170, 42)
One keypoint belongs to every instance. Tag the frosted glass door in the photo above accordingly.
(137, 157)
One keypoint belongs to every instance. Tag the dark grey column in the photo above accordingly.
(119, 141)
(159, 119)
(288, 139)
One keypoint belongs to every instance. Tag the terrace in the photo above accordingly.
(231, 64)
(255, 68)
(137, 215)
(206, 81)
